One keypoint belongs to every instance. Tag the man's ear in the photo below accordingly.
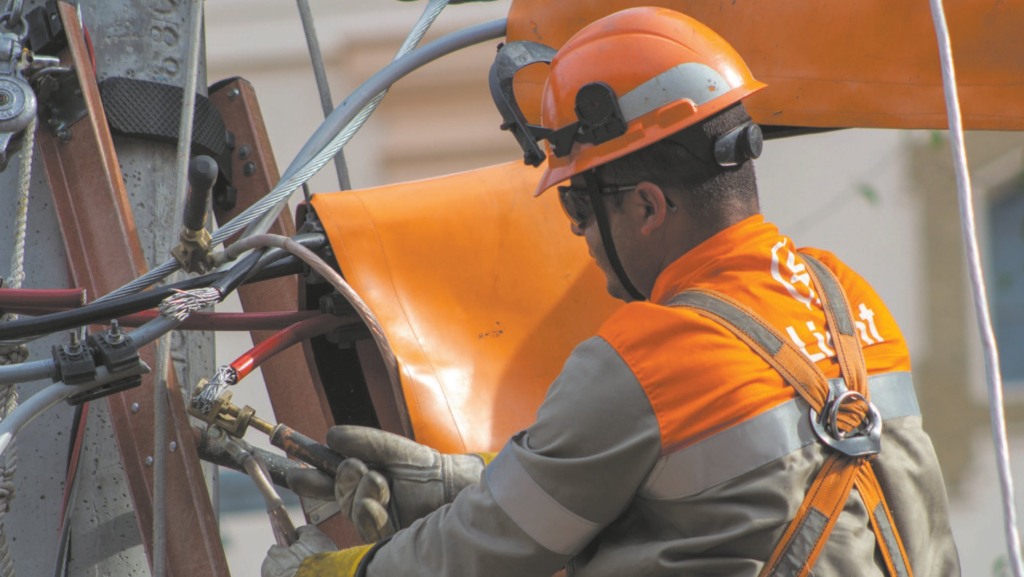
(655, 207)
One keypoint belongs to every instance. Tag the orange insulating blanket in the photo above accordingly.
(481, 289)
(832, 63)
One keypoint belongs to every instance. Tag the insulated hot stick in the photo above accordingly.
(194, 251)
(235, 421)
(202, 175)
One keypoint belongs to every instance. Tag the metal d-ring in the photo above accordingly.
(863, 441)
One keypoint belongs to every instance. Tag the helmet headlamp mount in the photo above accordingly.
(739, 145)
(736, 146)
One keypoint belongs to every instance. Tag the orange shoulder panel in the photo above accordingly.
(701, 379)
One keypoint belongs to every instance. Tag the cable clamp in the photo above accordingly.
(105, 390)
(74, 362)
(114, 348)
(77, 363)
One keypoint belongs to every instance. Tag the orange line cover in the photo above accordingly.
(481, 289)
(833, 63)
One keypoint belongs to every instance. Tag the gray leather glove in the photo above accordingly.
(284, 561)
(403, 482)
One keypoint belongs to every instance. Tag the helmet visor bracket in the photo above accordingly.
(513, 57)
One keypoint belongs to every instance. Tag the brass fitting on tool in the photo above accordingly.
(230, 418)
(236, 421)
(193, 250)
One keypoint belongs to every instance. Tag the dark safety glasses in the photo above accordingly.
(576, 201)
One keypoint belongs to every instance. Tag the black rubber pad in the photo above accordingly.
(152, 111)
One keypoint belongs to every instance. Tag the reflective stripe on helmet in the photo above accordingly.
(704, 76)
(761, 440)
(691, 80)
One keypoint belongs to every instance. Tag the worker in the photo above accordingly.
(749, 411)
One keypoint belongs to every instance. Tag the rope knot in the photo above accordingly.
(13, 354)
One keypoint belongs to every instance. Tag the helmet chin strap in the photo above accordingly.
(601, 215)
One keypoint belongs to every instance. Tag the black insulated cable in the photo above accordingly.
(101, 312)
(275, 263)
(238, 274)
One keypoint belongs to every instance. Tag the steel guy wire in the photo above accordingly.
(316, 58)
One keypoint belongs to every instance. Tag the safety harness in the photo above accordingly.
(842, 417)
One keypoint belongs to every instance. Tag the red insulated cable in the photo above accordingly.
(11, 298)
(283, 339)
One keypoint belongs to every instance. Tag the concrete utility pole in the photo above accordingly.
(143, 40)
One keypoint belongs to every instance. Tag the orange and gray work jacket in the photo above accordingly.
(666, 447)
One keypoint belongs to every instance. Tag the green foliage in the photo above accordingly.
(869, 193)
(1001, 567)
(1004, 281)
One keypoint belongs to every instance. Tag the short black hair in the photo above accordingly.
(714, 193)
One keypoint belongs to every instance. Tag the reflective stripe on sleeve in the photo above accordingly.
(692, 80)
(536, 512)
(761, 440)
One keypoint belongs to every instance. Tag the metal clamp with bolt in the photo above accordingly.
(17, 99)
(235, 421)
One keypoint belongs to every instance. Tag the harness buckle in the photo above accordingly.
(863, 441)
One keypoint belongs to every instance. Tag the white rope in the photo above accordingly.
(14, 354)
(21, 222)
(988, 339)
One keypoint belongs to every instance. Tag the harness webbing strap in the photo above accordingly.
(808, 532)
(840, 321)
(882, 522)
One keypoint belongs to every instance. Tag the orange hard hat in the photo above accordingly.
(622, 83)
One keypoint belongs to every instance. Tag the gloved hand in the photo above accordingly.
(421, 479)
(284, 561)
